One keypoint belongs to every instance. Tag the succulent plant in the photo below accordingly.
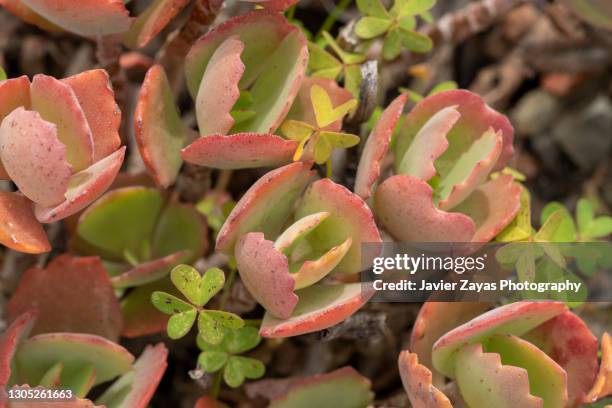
(528, 354)
(59, 144)
(445, 151)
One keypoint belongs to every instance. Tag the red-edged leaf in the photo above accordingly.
(405, 208)
(265, 272)
(34, 157)
(568, 340)
(436, 319)
(341, 388)
(151, 21)
(274, 5)
(603, 383)
(320, 306)
(149, 271)
(376, 148)
(349, 216)
(141, 383)
(23, 12)
(57, 103)
(476, 118)
(97, 99)
(416, 379)
(240, 151)
(17, 331)
(92, 18)
(428, 144)
(19, 228)
(14, 93)
(74, 350)
(73, 403)
(266, 206)
(160, 133)
(515, 318)
(84, 187)
(492, 206)
(219, 88)
(302, 109)
(72, 295)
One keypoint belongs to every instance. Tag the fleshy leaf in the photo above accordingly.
(349, 217)
(266, 206)
(19, 228)
(342, 388)
(436, 319)
(492, 206)
(73, 403)
(72, 295)
(603, 383)
(135, 209)
(313, 271)
(520, 228)
(240, 151)
(514, 318)
(97, 99)
(160, 133)
(14, 93)
(265, 272)
(52, 377)
(84, 187)
(73, 349)
(470, 170)
(10, 341)
(476, 118)
(428, 144)
(24, 13)
(180, 227)
(324, 110)
(405, 208)
(506, 386)
(219, 88)
(140, 317)
(151, 21)
(274, 5)
(135, 389)
(148, 272)
(320, 306)
(34, 157)
(569, 342)
(298, 230)
(416, 379)
(376, 147)
(80, 381)
(91, 19)
(198, 289)
(57, 103)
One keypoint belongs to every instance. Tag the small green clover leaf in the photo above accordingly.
(589, 226)
(236, 369)
(396, 25)
(2, 74)
(320, 142)
(198, 290)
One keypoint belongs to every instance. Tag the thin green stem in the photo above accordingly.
(227, 288)
(331, 17)
(291, 12)
(216, 386)
(328, 168)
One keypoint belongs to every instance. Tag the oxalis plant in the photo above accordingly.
(262, 159)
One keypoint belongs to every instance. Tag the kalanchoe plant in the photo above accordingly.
(78, 362)
(198, 290)
(397, 25)
(256, 62)
(224, 356)
(140, 234)
(330, 226)
(59, 145)
(527, 354)
(445, 151)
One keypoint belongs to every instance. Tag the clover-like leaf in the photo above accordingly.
(198, 289)
(416, 379)
(325, 112)
(210, 328)
(212, 361)
(520, 228)
(169, 304)
(321, 63)
(226, 319)
(243, 339)
(238, 368)
(179, 324)
(296, 130)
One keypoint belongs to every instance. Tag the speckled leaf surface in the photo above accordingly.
(417, 381)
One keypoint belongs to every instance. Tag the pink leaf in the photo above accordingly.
(92, 18)
(19, 228)
(406, 210)
(240, 151)
(14, 93)
(376, 147)
(97, 99)
(23, 12)
(514, 318)
(149, 271)
(568, 340)
(266, 206)
(84, 188)
(492, 206)
(34, 157)
(72, 295)
(416, 379)
(265, 273)
(17, 331)
(219, 88)
(57, 103)
(160, 133)
(151, 21)
(320, 306)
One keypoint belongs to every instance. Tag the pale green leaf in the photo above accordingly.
(2, 74)
(341, 140)
(319, 59)
(371, 27)
(392, 45)
(168, 304)
(226, 319)
(325, 112)
(212, 361)
(412, 7)
(346, 57)
(407, 22)
(599, 228)
(584, 214)
(322, 150)
(372, 8)
(180, 324)
(415, 41)
(442, 87)
(210, 329)
(240, 340)
(296, 130)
